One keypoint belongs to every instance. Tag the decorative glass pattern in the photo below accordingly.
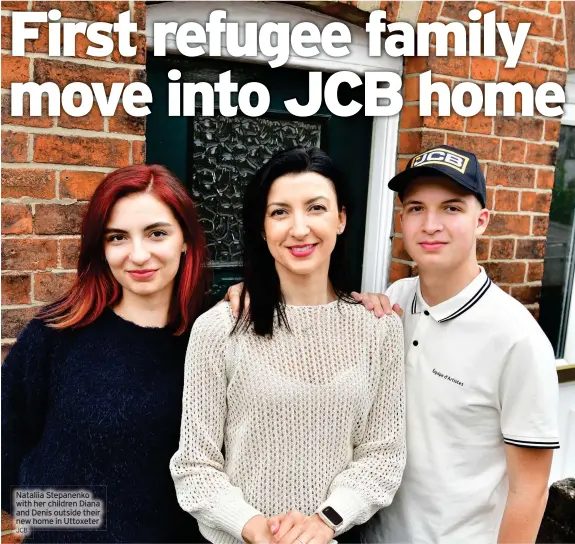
(227, 151)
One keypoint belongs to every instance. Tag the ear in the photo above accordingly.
(342, 215)
(184, 248)
(482, 222)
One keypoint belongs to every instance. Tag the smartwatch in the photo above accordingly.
(331, 518)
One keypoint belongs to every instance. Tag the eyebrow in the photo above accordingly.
(285, 204)
(450, 201)
(149, 227)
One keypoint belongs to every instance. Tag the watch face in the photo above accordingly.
(332, 515)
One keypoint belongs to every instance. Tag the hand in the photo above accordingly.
(256, 531)
(377, 303)
(295, 528)
(233, 295)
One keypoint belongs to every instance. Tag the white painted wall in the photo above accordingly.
(564, 458)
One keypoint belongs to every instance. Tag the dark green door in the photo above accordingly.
(216, 156)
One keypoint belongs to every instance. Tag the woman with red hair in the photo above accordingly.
(92, 389)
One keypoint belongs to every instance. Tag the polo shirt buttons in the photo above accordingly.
(415, 342)
(426, 312)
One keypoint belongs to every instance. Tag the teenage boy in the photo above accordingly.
(481, 382)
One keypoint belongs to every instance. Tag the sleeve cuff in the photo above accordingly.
(233, 513)
(524, 442)
(348, 504)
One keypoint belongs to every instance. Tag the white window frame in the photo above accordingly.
(380, 200)
(568, 118)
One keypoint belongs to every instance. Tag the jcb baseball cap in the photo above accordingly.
(461, 166)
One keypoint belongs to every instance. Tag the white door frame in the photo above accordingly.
(379, 219)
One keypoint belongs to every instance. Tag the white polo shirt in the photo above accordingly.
(480, 372)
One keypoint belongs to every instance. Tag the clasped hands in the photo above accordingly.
(291, 528)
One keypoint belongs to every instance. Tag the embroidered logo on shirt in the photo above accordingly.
(448, 378)
(442, 156)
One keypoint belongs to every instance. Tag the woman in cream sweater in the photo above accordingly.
(305, 393)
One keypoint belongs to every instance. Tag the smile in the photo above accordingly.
(141, 275)
(302, 251)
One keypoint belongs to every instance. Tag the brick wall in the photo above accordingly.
(50, 166)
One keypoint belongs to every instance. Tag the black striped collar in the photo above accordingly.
(455, 306)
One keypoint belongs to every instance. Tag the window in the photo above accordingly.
(557, 316)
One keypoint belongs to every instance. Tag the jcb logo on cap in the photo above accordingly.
(445, 157)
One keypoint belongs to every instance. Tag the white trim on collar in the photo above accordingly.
(456, 305)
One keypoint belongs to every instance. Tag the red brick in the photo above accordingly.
(26, 120)
(530, 249)
(535, 271)
(416, 65)
(528, 52)
(507, 224)
(502, 248)
(531, 74)
(16, 219)
(139, 14)
(399, 251)
(29, 254)
(429, 11)
(535, 202)
(490, 196)
(488, 7)
(558, 76)
(513, 151)
(479, 124)
(89, 11)
(482, 249)
(549, 53)
(410, 117)
(14, 70)
(510, 176)
(541, 154)
(484, 148)
(81, 151)
(401, 164)
(525, 128)
(456, 10)
(555, 8)
(540, 225)
(541, 5)
(6, 32)
(447, 122)
(545, 179)
(139, 40)
(79, 185)
(450, 66)
(569, 8)
(526, 294)
(411, 89)
(59, 218)
(560, 31)
(49, 287)
(19, 182)
(16, 289)
(69, 252)
(93, 120)
(506, 201)
(510, 272)
(483, 69)
(138, 152)
(129, 124)
(14, 146)
(63, 73)
(431, 138)
(15, 5)
(409, 142)
(399, 271)
(13, 321)
(552, 130)
(543, 26)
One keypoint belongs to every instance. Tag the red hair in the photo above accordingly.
(96, 288)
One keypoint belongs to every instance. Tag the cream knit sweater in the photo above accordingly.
(310, 418)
